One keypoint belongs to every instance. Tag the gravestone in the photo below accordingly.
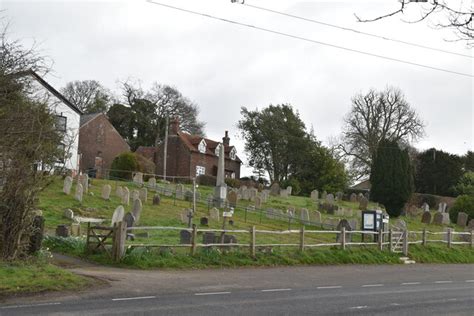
(327, 207)
(230, 239)
(188, 195)
(275, 189)
(232, 198)
(253, 193)
(214, 214)
(426, 218)
(75, 229)
(316, 216)
(363, 203)
(220, 190)
(438, 218)
(106, 189)
(143, 195)
(315, 195)
(353, 198)
(470, 226)
(183, 216)
(180, 192)
(354, 223)
(62, 231)
(138, 178)
(184, 237)
(79, 192)
(118, 215)
(119, 191)
(348, 212)
(324, 195)
(125, 196)
(304, 216)
(264, 196)
(152, 182)
(258, 202)
(359, 197)
(204, 221)
(246, 194)
(284, 193)
(242, 189)
(129, 219)
(462, 219)
(137, 209)
(425, 206)
(135, 195)
(446, 219)
(69, 214)
(84, 180)
(209, 238)
(67, 185)
(339, 195)
(156, 199)
(344, 223)
(289, 190)
(442, 207)
(339, 212)
(330, 198)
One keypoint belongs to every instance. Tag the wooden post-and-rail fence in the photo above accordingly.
(394, 241)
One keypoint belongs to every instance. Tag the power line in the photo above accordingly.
(308, 40)
(355, 31)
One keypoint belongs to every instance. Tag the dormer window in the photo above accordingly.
(202, 146)
(233, 153)
(218, 149)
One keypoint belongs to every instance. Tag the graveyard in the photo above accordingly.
(164, 204)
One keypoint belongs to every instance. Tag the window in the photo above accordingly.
(61, 153)
(200, 170)
(218, 148)
(202, 146)
(232, 175)
(61, 122)
(233, 153)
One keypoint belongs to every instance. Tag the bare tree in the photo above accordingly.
(88, 95)
(375, 116)
(456, 16)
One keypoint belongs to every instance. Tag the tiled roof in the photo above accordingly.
(192, 143)
(88, 117)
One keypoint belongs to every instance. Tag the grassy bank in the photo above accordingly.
(34, 277)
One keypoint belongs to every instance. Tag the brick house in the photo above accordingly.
(192, 155)
(99, 144)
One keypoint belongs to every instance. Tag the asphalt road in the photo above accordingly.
(365, 290)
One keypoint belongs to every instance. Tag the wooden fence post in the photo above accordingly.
(424, 237)
(343, 238)
(252, 241)
(193, 240)
(390, 243)
(449, 237)
(88, 238)
(380, 239)
(118, 240)
(405, 242)
(302, 238)
(472, 238)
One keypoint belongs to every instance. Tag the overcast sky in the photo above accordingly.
(223, 67)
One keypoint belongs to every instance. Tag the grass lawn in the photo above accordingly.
(34, 277)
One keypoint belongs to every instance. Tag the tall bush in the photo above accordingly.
(463, 203)
(123, 165)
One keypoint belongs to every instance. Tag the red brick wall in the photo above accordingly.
(98, 135)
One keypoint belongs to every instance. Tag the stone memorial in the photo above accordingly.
(314, 195)
(204, 221)
(137, 209)
(214, 214)
(275, 189)
(354, 224)
(125, 196)
(118, 215)
(258, 202)
(184, 237)
(119, 191)
(304, 215)
(442, 207)
(289, 190)
(69, 214)
(79, 192)
(438, 218)
(156, 199)
(143, 195)
(324, 195)
(284, 193)
(67, 185)
(316, 216)
(106, 189)
(220, 191)
(232, 198)
(62, 231)
(400, 225)
(84, 180)
(330, 198)
(348, 212)
(253, 192)
(344, 223)
(462, 219)
(129, 219)
(209, 238)
(426, 218)
(138, 178)
(470, 226)
(152, 182)
(135, 195)
(446, 219)
(363, 203)
(180, 192)
(425, 207)
(339, 195)
(353, 198)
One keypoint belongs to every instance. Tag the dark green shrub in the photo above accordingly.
(234, 183)
(295, 185)
(463, 203)
(123, 165)
(206, 180)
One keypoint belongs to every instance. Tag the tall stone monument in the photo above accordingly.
(220, 191)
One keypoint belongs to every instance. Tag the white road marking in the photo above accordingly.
(469, 281)
(411, 283)
(441, 282)
(133, 298)
(276, 290)
(372, 285)
(359, 307)
(452, 299)
(329, 287)
(30, 305)
(212, 293)
(394, 304)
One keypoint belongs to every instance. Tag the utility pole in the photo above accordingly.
(165, 151)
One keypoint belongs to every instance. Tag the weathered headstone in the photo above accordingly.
(446, 219)
(359, 197)
(426, 218)
(264, 196)
(330, 198)
(180, 191)
(258, 202)
(75, 229)
(137, 209)
(339, 212)
(67, 185)
(118, 215)
(69, 214)
(438, 218)
(214, 214)
(79, 192)
(348, 212)
(289, 190)
(209, 238)
(275, 189)
(344, 223)
(324, 195)
(354, 224)
(442, 207)
(135, 195)
(316, 216)
(363, 203)
(143, 195)
(84, 180)
(304, 215)
(327, 207)
(62, 231)
(125, 196)
(425, 206)
(138, 178)
(220, 190)
(184, 237)
(353, 198)
(204, 221)
(152, 182)
(253, 192)
(106, 189)
(462, 219)
(232, 198)
(470, 226)
(315, 195)
(339, 195)
(284, 193)
(129, 219)
(119, 191)
(156, 199)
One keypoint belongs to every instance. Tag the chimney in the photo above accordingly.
(174, 127)
(226, 139)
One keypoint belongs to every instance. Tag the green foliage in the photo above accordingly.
(465, 184)
(206, 180)
(295, 185)
(391, 177)
(468, 161)
(71, 245)
(233, 183)
(123, 165)
(437, 172)
(463, 203)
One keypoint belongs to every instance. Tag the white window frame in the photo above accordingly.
(202, 146)
(200, 170)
